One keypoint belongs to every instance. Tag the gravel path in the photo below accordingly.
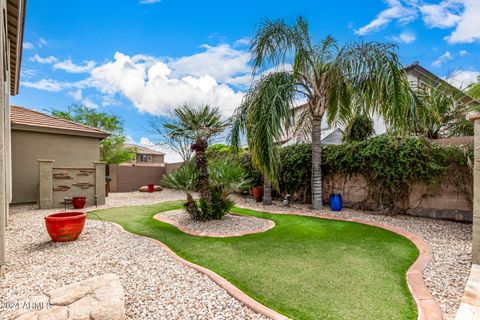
(230, 225)
(451, 243)
(156, 286)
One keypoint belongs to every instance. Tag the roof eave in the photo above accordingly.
(16, 12)
(22, 127)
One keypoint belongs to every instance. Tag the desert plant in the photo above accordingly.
(184, 179)
(199, 125)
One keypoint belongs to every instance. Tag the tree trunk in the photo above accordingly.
(316, 163)
(267, 191)
(202, 167)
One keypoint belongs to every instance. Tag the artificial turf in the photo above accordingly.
(304, 268)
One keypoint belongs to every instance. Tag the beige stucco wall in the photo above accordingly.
(151, 159)
(28, 147)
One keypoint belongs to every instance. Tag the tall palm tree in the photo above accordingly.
(199, 125)
(342, 81)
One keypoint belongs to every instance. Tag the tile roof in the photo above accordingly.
(144, 150)
(37, 121)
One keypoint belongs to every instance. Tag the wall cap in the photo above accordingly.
(45, 160)
(472, 116)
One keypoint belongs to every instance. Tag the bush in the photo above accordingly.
(360, 128)
(389, 164)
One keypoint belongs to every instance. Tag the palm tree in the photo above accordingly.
(199, 125)
(342, 81)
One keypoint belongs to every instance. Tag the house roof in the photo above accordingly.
(31, 120)
(143, 150)
(468, 100)
(15, 26)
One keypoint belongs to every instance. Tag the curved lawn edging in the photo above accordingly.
(219, 280)
(270, 225)
(427, 307)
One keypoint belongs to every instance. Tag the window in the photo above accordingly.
(143, 158)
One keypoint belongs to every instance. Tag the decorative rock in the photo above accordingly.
(145, 188)
(97, 298)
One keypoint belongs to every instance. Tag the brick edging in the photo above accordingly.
(159, 217)
(428, 308)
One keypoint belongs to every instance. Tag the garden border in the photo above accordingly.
(427, 307)
(174, 223)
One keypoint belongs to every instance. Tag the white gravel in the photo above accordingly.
(156, 286)
(230, 224)
(451, 243)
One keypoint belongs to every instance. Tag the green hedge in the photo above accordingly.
(389, 164)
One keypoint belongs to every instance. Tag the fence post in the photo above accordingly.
(45, 190)
(100, 181)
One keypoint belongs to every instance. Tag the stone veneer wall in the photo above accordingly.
(58, 183)
(444, 201)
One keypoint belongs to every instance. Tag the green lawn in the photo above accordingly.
(305, 268)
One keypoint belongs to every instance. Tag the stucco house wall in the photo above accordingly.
(28, 147)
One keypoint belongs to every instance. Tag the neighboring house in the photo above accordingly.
(417, 76)
(11, 42)
(37, 135)
(145, 156)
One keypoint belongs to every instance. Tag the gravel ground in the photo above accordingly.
(229, 225)
(451, 243)
(156, 286)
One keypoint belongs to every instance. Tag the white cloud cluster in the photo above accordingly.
(463, 78)
(447, 56)
(213, 76)
(398, 10)
(462, 15)
(405, 37)
(149, 1)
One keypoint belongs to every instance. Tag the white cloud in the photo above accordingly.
(404, 37)
(447, 56)
(28, 45)
(463, 53)
(242, 42)
(44, 84)
(462, 15)
(442, 15)
(149, 1)
(144, 141)
(69, 66)
(41, 42)
(77, 95)
(157, 87)
(398, 10)
(467, 30)
(37, 58)
(463, 78)
(221, 62)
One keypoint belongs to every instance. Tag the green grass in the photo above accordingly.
(305, 268)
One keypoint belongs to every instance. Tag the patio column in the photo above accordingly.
(100, 181)
(45, 169)
(475, 117)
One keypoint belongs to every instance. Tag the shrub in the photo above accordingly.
(360, 128)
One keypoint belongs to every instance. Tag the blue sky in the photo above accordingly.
(138, 58)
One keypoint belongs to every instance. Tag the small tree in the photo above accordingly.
(199, 125)
(359, 128)
(112, 150)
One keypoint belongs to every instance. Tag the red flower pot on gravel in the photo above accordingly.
(257, 193)
(79, 202)
(65, 226)
(151, 187)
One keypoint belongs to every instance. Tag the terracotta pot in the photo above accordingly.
(257, 193)
(151, 187)
(65, 226)
(79, 202)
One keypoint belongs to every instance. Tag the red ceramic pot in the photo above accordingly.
(65, 226)
(257, 193)
(79, 202)
(151, 187)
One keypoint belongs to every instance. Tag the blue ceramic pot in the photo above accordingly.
(336, 202)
